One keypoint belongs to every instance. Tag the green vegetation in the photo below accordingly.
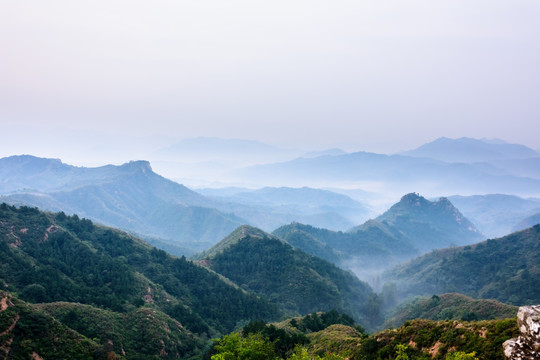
(54, 257)
(450, 307)
(139, 333)
(417, 339)
(25, 330)
(296, 282)
(505, 269)
(412, 226)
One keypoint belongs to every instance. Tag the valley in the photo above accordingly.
(122, 262)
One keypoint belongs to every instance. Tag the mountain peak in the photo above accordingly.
(141, 165)
(430, 224)
(241, 232)
(413, 199)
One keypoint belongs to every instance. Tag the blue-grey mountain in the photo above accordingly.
(497, 215)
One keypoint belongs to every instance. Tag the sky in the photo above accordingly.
(375, 75)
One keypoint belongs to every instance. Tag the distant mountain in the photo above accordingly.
(527, 222)
(469, 150)
(269, 208)
(390, 174)
(53, 257)
(329, 152)
(503, 269)
(130, 196)
(496, 215)
(364, 251)
(451, 306)
(430, 224)
(293, 280)
(410, 227)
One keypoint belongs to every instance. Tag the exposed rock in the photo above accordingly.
(527, 345)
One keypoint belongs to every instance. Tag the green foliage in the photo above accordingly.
(416, 339)
(460, 355)
(54, 257)
(293, 280)
(505, 269)
(27, 330)
(236, 347)
(450, 307)
(143, 332)
(401, 352)
(484, 338)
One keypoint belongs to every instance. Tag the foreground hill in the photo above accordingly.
(451, 306)
(326, 336)
(504, 269)
(412, 226)
(295, 281)
(76, 331)
(53, 257)
(131, 197)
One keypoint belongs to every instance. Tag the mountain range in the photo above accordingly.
(403, 172)
(410, 227)
(134, 198)
(270, 207)
(496, 215)
(130, 196)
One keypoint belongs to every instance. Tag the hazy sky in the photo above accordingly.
(376, 75)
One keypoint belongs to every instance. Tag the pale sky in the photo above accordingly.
(374, 75)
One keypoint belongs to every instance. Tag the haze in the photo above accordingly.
(113, 80)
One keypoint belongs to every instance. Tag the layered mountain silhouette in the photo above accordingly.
(410, 227)
(134, 198)
(497, 215)
(271, 207)
(472, 150)
(130, 196)
(464, 173)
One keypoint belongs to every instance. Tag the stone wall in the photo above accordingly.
(527, 345)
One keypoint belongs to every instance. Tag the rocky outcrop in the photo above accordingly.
(527, 345)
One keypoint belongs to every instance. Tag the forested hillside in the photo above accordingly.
(54, 257)
(410, 227)
(75, 331)
(504, 269)
(295, 281)
(452, 306)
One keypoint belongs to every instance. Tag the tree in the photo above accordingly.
(460, 355)
(236, 347)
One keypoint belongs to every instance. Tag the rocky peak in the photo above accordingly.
(137, 165)
(527, 345)
(413, 199)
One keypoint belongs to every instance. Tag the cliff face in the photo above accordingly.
(527, 345)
